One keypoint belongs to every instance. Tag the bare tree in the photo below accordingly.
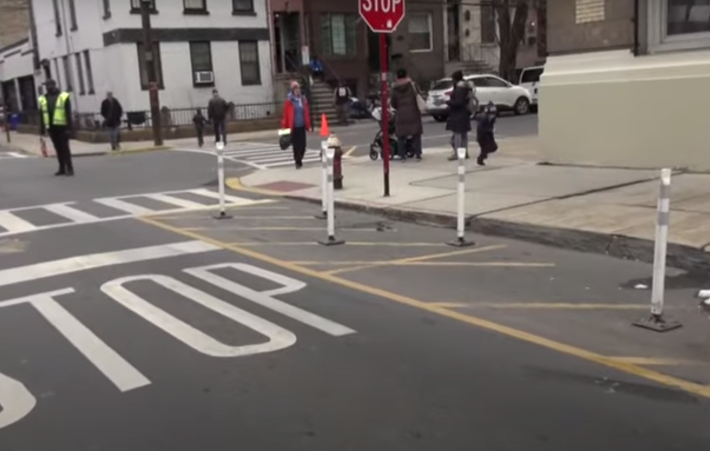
(512, 18)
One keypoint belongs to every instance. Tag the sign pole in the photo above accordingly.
(385, 113)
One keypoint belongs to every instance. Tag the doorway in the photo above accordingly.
(287, 42)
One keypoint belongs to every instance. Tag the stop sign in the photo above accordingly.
(382, 16)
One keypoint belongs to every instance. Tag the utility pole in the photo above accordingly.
(150, 65)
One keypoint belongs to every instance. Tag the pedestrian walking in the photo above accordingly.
(459, 118)
(408, 117)
(485, 133)
(56, 121)
(297, 118)
(200, 121)
(217, 111)
(112, 112)
(341, 98)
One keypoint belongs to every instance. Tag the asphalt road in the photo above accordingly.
(114, 336)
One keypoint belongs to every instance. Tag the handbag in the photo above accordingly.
(285, 138)
(421, 103)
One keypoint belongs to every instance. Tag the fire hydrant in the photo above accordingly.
(334, 143)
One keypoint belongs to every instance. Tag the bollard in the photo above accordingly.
(460, 240)
(220, 181)
(334, 142)
(655, 321)
(324, 180)
(704, 296)
(331, 241)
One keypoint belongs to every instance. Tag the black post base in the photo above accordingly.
(338, 183)
(331, 241)
(461, 242)
(222, 215)
(657, 323)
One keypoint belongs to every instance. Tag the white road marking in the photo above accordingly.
(122, 205)
(123, 375)
(92, 261)
(265, 298)
(13, 223)
(71, 213)
(233, 200)
(16, 402)
(279, 338)
(172, 200)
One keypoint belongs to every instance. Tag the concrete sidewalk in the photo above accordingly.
(603, 210)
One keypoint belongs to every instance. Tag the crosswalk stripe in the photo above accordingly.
(212, 195)
(124, 206)
(13, 223)
(182, 203)
(71, 213)
(289, 162)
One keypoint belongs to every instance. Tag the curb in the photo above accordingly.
(683, 257)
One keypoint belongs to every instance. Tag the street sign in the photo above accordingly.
(382, 16)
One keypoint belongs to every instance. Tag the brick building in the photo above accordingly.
(626, 83)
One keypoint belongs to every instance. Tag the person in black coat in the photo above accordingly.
(485, 133)
(459, 120)
(112, 112)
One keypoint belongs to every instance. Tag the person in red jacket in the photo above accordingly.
(297, 118)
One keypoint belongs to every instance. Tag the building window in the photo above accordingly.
(80, 74)
(488, 25)
(678, 25)
(72, 16)
(107, 9)
(143, 66)
(136, 6)
(89, 72)
(339, 34)
(201, 58)
(194, 6)
(242, 6)
(57, 19)
(67, 74)
(57, 73)
(249, 63)
(420, 32)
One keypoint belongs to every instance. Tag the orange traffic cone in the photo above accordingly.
(324, 131)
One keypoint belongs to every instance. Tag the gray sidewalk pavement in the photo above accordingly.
(604, 210)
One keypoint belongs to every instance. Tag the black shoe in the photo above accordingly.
(70, 174)
(481, 161)
(58, 173)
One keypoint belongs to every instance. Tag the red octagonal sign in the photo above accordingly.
(382, 16)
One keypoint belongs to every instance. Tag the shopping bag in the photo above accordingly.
(285, 138)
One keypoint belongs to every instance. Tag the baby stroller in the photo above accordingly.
(377, 146)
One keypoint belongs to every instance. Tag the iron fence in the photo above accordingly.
(170, 117)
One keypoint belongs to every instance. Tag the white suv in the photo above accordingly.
(489, 88)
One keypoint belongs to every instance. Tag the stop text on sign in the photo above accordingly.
(382, 16)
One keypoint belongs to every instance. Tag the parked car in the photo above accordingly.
(530, 79)
(489, 88)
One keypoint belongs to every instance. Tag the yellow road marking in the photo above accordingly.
(559, 306)
(278, 229)
(12, 246)
(447, 304)
(425, 263)
(139, 150)
(350, 243)
(349, 152)
(235, 184)
(563, 348)
(476, 250)
(658, 361)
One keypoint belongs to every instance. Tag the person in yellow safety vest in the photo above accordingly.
(56, 121)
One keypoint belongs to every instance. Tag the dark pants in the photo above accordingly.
(60, 141)
(200, 136)
(298, 142)
(415, 142)
(343, 113)
(220, 132)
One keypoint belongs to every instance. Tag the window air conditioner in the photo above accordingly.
(204, 78)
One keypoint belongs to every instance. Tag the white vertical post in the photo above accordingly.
(656, 321)
(330, 194)
(220, 181)
(324, 179)
(461, 201)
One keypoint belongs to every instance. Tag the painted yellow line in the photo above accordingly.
(448, 304)
(559, 306)
(235, 184)
(278, 229)
(12, 246)
(659, 361)
(476, 250)
(139, 150)
(349, 152)
(563, 348)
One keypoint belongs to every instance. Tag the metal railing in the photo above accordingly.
(174, 117)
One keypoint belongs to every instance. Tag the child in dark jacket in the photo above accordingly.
(485, 133)
(199, 120)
